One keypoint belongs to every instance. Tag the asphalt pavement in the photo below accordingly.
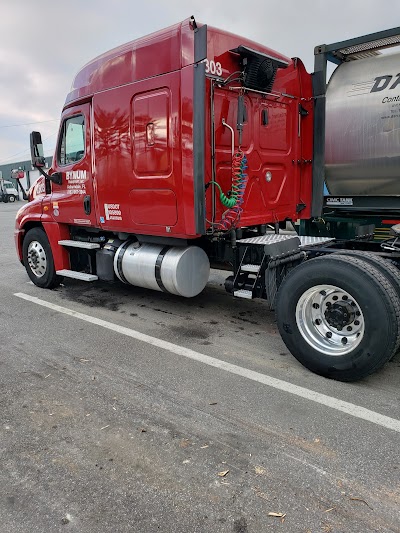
(129, 410)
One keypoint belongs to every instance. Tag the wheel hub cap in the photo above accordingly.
(330, 320)
(340, 314)
(37, 259)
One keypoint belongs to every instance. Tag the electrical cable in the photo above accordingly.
(230, 78)
(29, 123)
(4, 161)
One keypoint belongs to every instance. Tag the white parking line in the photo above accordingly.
(329, 401)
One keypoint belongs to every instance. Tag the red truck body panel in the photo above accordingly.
(145, 122)
(39, 214)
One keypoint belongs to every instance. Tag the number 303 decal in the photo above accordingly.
(213, 67)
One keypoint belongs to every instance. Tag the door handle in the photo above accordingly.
(87, 205)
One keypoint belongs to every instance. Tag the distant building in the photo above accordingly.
(31, 174)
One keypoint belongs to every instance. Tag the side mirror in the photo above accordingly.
(37, 155)
(56, 177)
(39, 161)
(17, 174)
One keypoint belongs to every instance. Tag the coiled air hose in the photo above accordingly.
(235, 200)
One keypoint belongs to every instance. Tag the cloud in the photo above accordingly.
(44, 43)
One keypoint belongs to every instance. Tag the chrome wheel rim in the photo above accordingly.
(330, 320)
(37, 259)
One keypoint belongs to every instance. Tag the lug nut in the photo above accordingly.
(328, 334)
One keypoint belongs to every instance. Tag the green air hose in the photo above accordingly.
(239, 179)
(227, 202)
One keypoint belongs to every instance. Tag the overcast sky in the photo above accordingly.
(43, 43)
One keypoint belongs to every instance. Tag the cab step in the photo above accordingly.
(250, 268)
(77, 275)
(243, 293)
(79, 244)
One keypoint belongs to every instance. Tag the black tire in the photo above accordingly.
(368, 300)
(38, 259)
(385, 266)
(11, 198)
(5, 198)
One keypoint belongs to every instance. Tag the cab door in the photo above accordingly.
(72, 202)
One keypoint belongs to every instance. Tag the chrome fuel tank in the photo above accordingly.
(362, 136)
(181, 271)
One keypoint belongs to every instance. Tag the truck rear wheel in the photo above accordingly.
(385, 266)
(38, 259)
(339, 316)
(388, 269)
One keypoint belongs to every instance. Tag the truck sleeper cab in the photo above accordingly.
(148, 137)
(182, 150)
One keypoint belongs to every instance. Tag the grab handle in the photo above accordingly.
(224, 123)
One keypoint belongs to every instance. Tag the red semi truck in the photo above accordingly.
(192, 147)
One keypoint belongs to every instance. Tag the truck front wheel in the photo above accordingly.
(38, 259)
(339, 316)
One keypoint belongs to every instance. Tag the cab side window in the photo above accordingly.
(72, 145)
